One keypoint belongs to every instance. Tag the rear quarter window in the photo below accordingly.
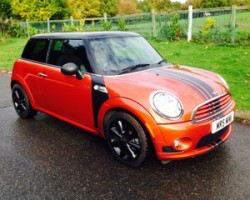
(36, 49)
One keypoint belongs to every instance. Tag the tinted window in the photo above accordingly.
(69, 51)
(36, 49)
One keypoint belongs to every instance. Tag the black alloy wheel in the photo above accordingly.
(127, 139)
(21, 102)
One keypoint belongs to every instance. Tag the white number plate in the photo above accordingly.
(222, 122)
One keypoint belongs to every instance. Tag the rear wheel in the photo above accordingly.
(21, 102)
(126, 139)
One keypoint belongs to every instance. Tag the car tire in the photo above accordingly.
(21, 102)
(126, 139)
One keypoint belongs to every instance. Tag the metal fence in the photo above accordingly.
(151, 24)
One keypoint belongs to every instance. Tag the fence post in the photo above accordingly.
(153, 23)
(233, 23)
(71, 21)
(27, 26)
(190, 21)
(105, 17)
(48, 26)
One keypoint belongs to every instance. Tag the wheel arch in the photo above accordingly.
(26, 89)
(14, 82)
(134, 109)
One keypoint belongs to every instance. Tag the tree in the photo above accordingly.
(176, 6)
(240, 2)
(81, 9)
(127, 7)
(35, 9)
(144, 6)
(63, 11)
(214, 3)
(194, 3)
(159, 5)
(5, 9)
(109, 7)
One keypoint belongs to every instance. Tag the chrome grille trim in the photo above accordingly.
(211, 114)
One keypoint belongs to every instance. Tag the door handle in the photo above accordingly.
(42, 75)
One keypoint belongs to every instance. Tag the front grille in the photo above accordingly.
(212, 107)
(211, 139)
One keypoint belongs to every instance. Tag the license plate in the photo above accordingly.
(222, 122)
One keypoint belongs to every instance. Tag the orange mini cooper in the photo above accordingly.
(115, 85)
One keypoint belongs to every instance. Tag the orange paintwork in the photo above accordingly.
(70, 99)
(131, 92)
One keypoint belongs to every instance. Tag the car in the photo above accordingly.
(117, 86)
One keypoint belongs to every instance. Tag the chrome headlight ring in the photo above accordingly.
(166, 105)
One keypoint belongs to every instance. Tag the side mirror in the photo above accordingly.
(71, 69)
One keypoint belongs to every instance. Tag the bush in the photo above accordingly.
(207, 31)
(210, 34)
(172, 31)
(10, 29)
(222, 37)
(243, 38)
(72, 28)
(33, 31)
(15, 30)
(107, 25)
(69, 28)
(93, 26)
(2, 38)
(122, 25)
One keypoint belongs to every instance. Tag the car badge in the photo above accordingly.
(215, 93)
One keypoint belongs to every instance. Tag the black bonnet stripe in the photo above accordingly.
(205, 90)
(187, 82)
(98, 97)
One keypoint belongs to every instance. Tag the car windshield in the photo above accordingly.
(119, 55)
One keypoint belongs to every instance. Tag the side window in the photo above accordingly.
(36, 49)
(69, 51)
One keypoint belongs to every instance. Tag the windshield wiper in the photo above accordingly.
(161, 62)
(133, 67)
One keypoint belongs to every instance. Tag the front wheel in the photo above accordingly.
(126, 139)
(21, 102)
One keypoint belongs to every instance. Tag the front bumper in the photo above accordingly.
(199, 139)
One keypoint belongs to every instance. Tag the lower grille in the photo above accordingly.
(211, 138)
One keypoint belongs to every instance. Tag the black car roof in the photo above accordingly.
(85, 35)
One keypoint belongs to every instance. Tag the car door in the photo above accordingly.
(64, 96)
(32, 63)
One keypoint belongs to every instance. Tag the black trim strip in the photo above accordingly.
(98, 97)
(205, 90)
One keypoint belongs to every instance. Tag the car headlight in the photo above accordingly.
(166, 105)
(223, 81)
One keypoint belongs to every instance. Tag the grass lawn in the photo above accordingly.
(10, 50)
(233, 63)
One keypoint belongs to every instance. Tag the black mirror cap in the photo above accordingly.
(71, 69)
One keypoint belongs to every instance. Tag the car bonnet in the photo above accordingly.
(190, 85)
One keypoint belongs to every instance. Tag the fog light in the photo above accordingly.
(182, 144)
(176, 143)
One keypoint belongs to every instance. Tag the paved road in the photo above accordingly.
(45, 158)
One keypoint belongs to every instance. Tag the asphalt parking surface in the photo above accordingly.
(45, 158)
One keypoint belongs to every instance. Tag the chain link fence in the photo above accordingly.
(231, 20)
